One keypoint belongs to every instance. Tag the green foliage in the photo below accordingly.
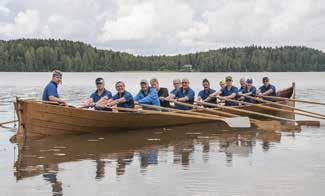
(46, 55)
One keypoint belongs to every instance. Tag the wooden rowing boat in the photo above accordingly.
(286, 93)
(37, 119)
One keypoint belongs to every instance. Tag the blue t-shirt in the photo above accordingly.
(151, 97)
(97, 97)
(51, 89)
(205, 94)
(180, 93)
(252, 90)
(241, 89)
(264, 88)
(226, 92)
(129, 102)
(173, 91)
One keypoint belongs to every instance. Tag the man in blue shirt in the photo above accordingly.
(100, 97)
(228, 92)
(249, 90)
(184, 94)
(50, 92)
(147, 95)
(122, 98)
(203, 94)
(267, 89)
(177, 84)
(242, 83)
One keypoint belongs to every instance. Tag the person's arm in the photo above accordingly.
(215, 94)
(52, 93)
(138, 96)
(268, 92)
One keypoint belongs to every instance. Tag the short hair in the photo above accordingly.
(185, 80)
(177, 80)
(243, 79)
(154, 80)
(205, 80)
(119, 82)
(56, 73)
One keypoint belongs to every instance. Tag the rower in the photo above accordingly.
(229, 92)
(100, 97)
(177, 84)
(203, 94)
(162, 92)
(147, 95)
(122, 98)
(242, 83)
(184, 94)
(267, 89)
(50, 92)
(249, 90)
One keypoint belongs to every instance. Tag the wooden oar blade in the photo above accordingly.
(238, 122)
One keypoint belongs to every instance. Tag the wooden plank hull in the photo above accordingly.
(38, 119)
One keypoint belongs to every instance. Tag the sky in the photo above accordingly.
(151, 27)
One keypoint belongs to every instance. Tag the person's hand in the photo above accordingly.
(64, 103)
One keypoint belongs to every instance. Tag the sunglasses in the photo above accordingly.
(185, 82)
(98, 83)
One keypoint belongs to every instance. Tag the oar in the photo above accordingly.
(8, 122)
(296, 100)
(234, 122)
(263, 125)
(231, 122)
(286, 106)
(272, 108)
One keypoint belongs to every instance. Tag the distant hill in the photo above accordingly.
(46, 55)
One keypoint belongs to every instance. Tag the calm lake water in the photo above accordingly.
(190, 160)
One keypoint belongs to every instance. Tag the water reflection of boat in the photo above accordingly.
(39, 119)
(43, 156)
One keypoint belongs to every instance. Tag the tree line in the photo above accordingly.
(27, 55)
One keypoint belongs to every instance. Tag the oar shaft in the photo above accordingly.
(8, 122)
(275, 109)
(295, 100)
(249, 112)
(289, 107)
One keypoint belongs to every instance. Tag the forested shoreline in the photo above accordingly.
(36, 55)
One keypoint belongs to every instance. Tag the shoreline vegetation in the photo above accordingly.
(43, 55)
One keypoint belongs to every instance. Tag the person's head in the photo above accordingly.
(100, 84)
(154, 83)
(57, 76)
(249, 82)
(177, 83)
(120, 86)
(222, 83)
(144, 85)
(242, 82)
(185, 83)
(266, 81)
(206, 84)
(228, 80)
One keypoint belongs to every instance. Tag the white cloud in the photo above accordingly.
(167, 26)
(25, 24)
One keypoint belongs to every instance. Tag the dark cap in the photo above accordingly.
(99, 80)
(249, 81)
(228, 78)
(265, 79)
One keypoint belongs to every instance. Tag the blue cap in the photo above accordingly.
(249, 80)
